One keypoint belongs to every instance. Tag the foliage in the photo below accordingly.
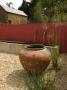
(39, 82)
(55, 57)
(50, 8)
(25, 7)
(33, 10)
(53, 9)
(38, 17)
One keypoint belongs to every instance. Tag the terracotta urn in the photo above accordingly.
(35, 58)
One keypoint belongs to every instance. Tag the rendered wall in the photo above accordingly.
(36, 33)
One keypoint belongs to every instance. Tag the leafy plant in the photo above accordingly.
(39, 82)
(55, 57)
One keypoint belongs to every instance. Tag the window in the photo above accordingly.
(9, 21)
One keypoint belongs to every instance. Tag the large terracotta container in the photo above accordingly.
(35, 58)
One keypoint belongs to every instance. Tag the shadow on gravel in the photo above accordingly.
(16, 78)
(21, 79)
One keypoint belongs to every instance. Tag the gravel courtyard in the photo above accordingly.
(12, 73)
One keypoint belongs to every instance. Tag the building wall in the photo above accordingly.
(3, 15)
(16, 19)
(11, 18)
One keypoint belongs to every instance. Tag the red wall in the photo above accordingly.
(25, 33)
(34, 33)
(63, 37)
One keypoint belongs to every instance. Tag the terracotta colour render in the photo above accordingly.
(35, 33)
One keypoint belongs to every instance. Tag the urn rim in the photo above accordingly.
(35, 47)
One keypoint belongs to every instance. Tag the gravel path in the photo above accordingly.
(12, 73)
(61, 75)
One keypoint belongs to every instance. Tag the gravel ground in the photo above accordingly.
(61, 75)
(12, 73)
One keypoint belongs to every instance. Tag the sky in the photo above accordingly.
(16, 3)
